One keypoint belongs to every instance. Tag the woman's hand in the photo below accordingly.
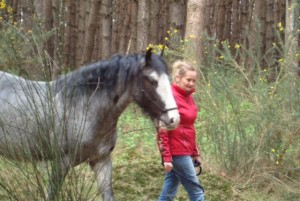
(197, 158)
(168, 166)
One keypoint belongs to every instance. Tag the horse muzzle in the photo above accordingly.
(169, 120)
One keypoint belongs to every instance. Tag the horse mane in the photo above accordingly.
(105, 74)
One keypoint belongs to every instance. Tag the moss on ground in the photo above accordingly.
(134, 179)
(142, 180)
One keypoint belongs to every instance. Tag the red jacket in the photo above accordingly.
(182, 140)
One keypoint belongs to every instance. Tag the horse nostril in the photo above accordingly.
(172, 121)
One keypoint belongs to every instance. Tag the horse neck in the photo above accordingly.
(104, 85)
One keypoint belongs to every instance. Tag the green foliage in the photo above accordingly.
(251, 125)
(134, 130)
(22, 50)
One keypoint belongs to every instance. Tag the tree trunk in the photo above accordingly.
(195, 30)
(291, 38)
(142, 25)
(269, 33)
(132, 46)
(209, 17)
(260, 13)
(58, 23)
(228, 22)
(164, 21)
(235, 35)
(98, 39)
(117, 11)
(244, 26)
(91, 30)
(125, 31)
(279, 18)
(49, 45)
(70, 49)
(154, 19)
(178, 16)
(257, 37)
(80, 29)
(221, 8)
(246, 30)
(106, 28)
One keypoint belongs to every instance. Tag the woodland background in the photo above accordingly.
(248, 55)
(68, 34)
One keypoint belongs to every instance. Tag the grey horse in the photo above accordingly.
(73, 119)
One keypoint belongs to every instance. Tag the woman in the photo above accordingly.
(178, 147)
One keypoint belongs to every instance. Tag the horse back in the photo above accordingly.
(22, 103)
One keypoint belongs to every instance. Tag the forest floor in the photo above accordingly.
(139, 177)
(136, 177)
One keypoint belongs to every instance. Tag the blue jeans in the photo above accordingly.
(183, 172)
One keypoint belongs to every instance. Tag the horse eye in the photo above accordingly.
(154, 83)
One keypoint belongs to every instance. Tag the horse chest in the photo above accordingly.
(101, 145)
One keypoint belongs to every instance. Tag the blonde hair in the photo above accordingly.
(179, 68)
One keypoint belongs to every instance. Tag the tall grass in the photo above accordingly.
(29, 181)
(251, 126)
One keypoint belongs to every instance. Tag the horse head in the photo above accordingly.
(154, 94)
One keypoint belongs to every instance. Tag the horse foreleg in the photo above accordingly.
(103, 172)
(59, 171)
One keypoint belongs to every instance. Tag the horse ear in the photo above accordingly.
(148, 55)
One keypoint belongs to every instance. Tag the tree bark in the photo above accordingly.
(279, 17)
(195, 29)
(118, 18)
(106, 28)
(291, 37)
(81, 17)
(58, 23)
(209, 17)
(246, 30)
(48, 45)
(70, 35)
(269, 32)
(154, 19)
(260, 13)
(221, 8)
(132, 46)
(164, 21)
(228, 22)
(244, 26)
(235, 35)
(125, 31)
(91, 30)
(142, 25)
(98, 39)
(257, 37)
(178, 16)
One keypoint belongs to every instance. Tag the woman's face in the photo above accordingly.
(187, 81)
